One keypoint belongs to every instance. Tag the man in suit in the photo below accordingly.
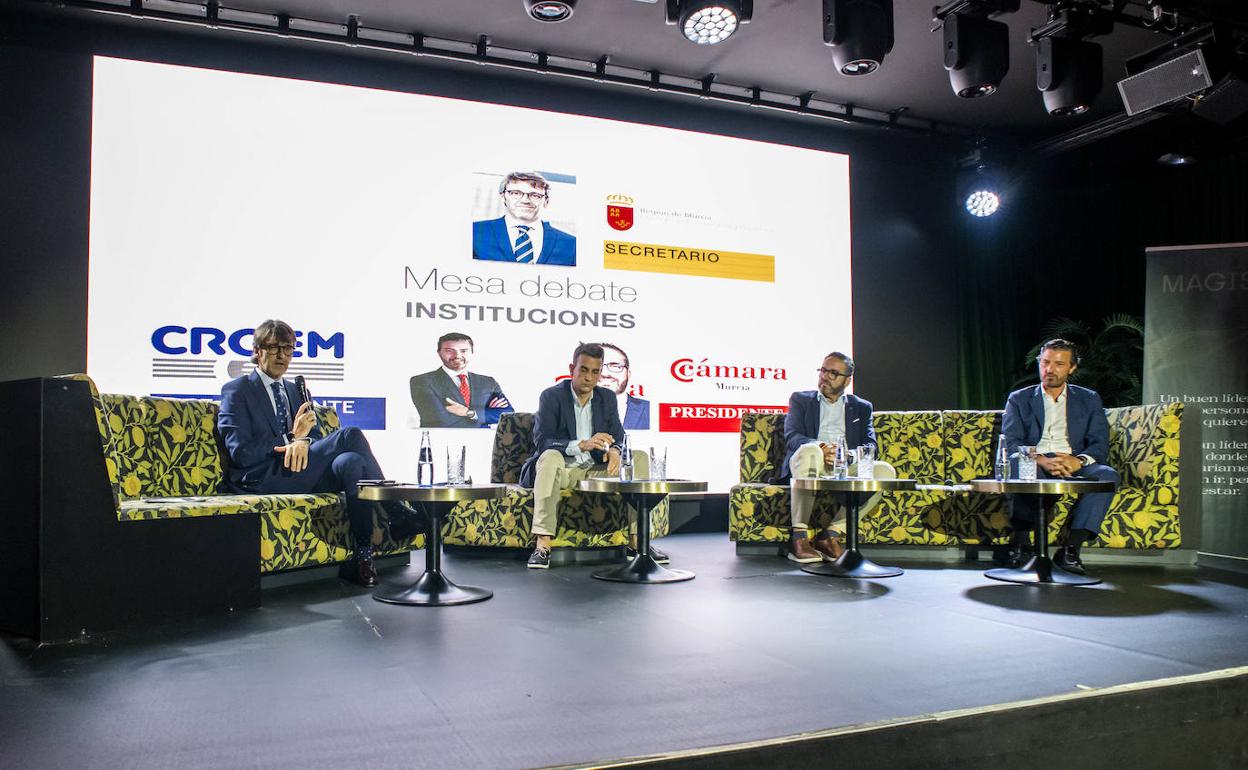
(451, 396)
(816, 419)
(1066, 424)
(576, 434)
(276, 447)
(615, 375)
(520, 234)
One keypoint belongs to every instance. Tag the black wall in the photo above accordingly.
(902, 188)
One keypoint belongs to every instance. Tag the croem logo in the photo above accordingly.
(688, 370)
(174, 340)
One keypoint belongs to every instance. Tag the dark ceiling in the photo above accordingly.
(781, 51)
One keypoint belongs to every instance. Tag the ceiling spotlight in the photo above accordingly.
(983, 203)
(707, 22)
(549, 11)
(860, 33)
(1068, 71)
(977, 49)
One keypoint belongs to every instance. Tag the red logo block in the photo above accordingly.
(709, 418)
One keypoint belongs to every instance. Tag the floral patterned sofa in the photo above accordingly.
(165, 461)
(586, 520)
(943, 451)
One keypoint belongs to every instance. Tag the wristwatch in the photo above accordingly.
(472, 414)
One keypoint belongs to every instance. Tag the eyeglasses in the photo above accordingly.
(516, 195)
(615, 367)
(275, 349)
(833, 374)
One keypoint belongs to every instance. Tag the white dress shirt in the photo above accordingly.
(268, 391)
(584, 430)
(1055, 437)
(831, 418)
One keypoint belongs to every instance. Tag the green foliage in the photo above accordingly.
(1111, 359)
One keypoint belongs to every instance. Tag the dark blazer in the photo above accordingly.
(491, 242)
(431, 389)
(555, 424)
(636, 414)
(801, 424)
(249, 429)
(1086, 426)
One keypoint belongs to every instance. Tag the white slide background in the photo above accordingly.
(220, 199)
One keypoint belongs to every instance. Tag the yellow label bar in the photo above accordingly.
(688, 260)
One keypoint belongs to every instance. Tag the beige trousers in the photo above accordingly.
(806, 462)
(553, 475)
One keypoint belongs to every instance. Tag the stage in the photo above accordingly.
(561, 669)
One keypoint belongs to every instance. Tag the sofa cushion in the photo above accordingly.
(911, 442)
(762, 447)
(586, 520)
(513, 444)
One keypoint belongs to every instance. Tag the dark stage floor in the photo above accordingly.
(560, 668)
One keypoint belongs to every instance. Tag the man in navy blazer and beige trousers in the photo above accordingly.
(1067, 426)
(815, 419)
(576, 434)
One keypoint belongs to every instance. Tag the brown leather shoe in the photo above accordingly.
(828, 548)
(360, 571)
(801, 552)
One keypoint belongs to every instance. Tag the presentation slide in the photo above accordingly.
(378, 224)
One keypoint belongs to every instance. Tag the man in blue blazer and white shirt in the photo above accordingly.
(576, 434)
(520, 235)
(816, 418)
(276, 447)
(1067, 426)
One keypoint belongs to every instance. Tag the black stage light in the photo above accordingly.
(860, 33)
(707, 22)
(1068, 71)
(549, 11)
(977, 54)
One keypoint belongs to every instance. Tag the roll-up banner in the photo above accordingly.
(1196, 351)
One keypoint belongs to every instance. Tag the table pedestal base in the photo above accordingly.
(1041, 571)
(643, 569)
(852, 564)
(432, 590)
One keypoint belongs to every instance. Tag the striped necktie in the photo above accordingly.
(524, 246)
(279, 403)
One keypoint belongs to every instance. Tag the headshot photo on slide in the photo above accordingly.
(519, 216)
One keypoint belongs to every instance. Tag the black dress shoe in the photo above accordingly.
(1067, 557)
(406, 522)
(360, 570)
(1016, 556)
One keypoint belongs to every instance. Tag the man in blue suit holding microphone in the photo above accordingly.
(1066, 424)
(520, 235)
(276, 447)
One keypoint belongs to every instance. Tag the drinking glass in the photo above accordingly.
(866, 462)
(456, 461)
(1026, 463)
(658, 463)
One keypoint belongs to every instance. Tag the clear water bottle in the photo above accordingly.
(840, 457)
(424, 461)
(626, 460)
(1001, 460)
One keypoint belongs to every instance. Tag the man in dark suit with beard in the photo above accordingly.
(1067, 426)
(815, 420)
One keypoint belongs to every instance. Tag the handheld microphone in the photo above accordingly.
(302, 387)
(304, 395)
